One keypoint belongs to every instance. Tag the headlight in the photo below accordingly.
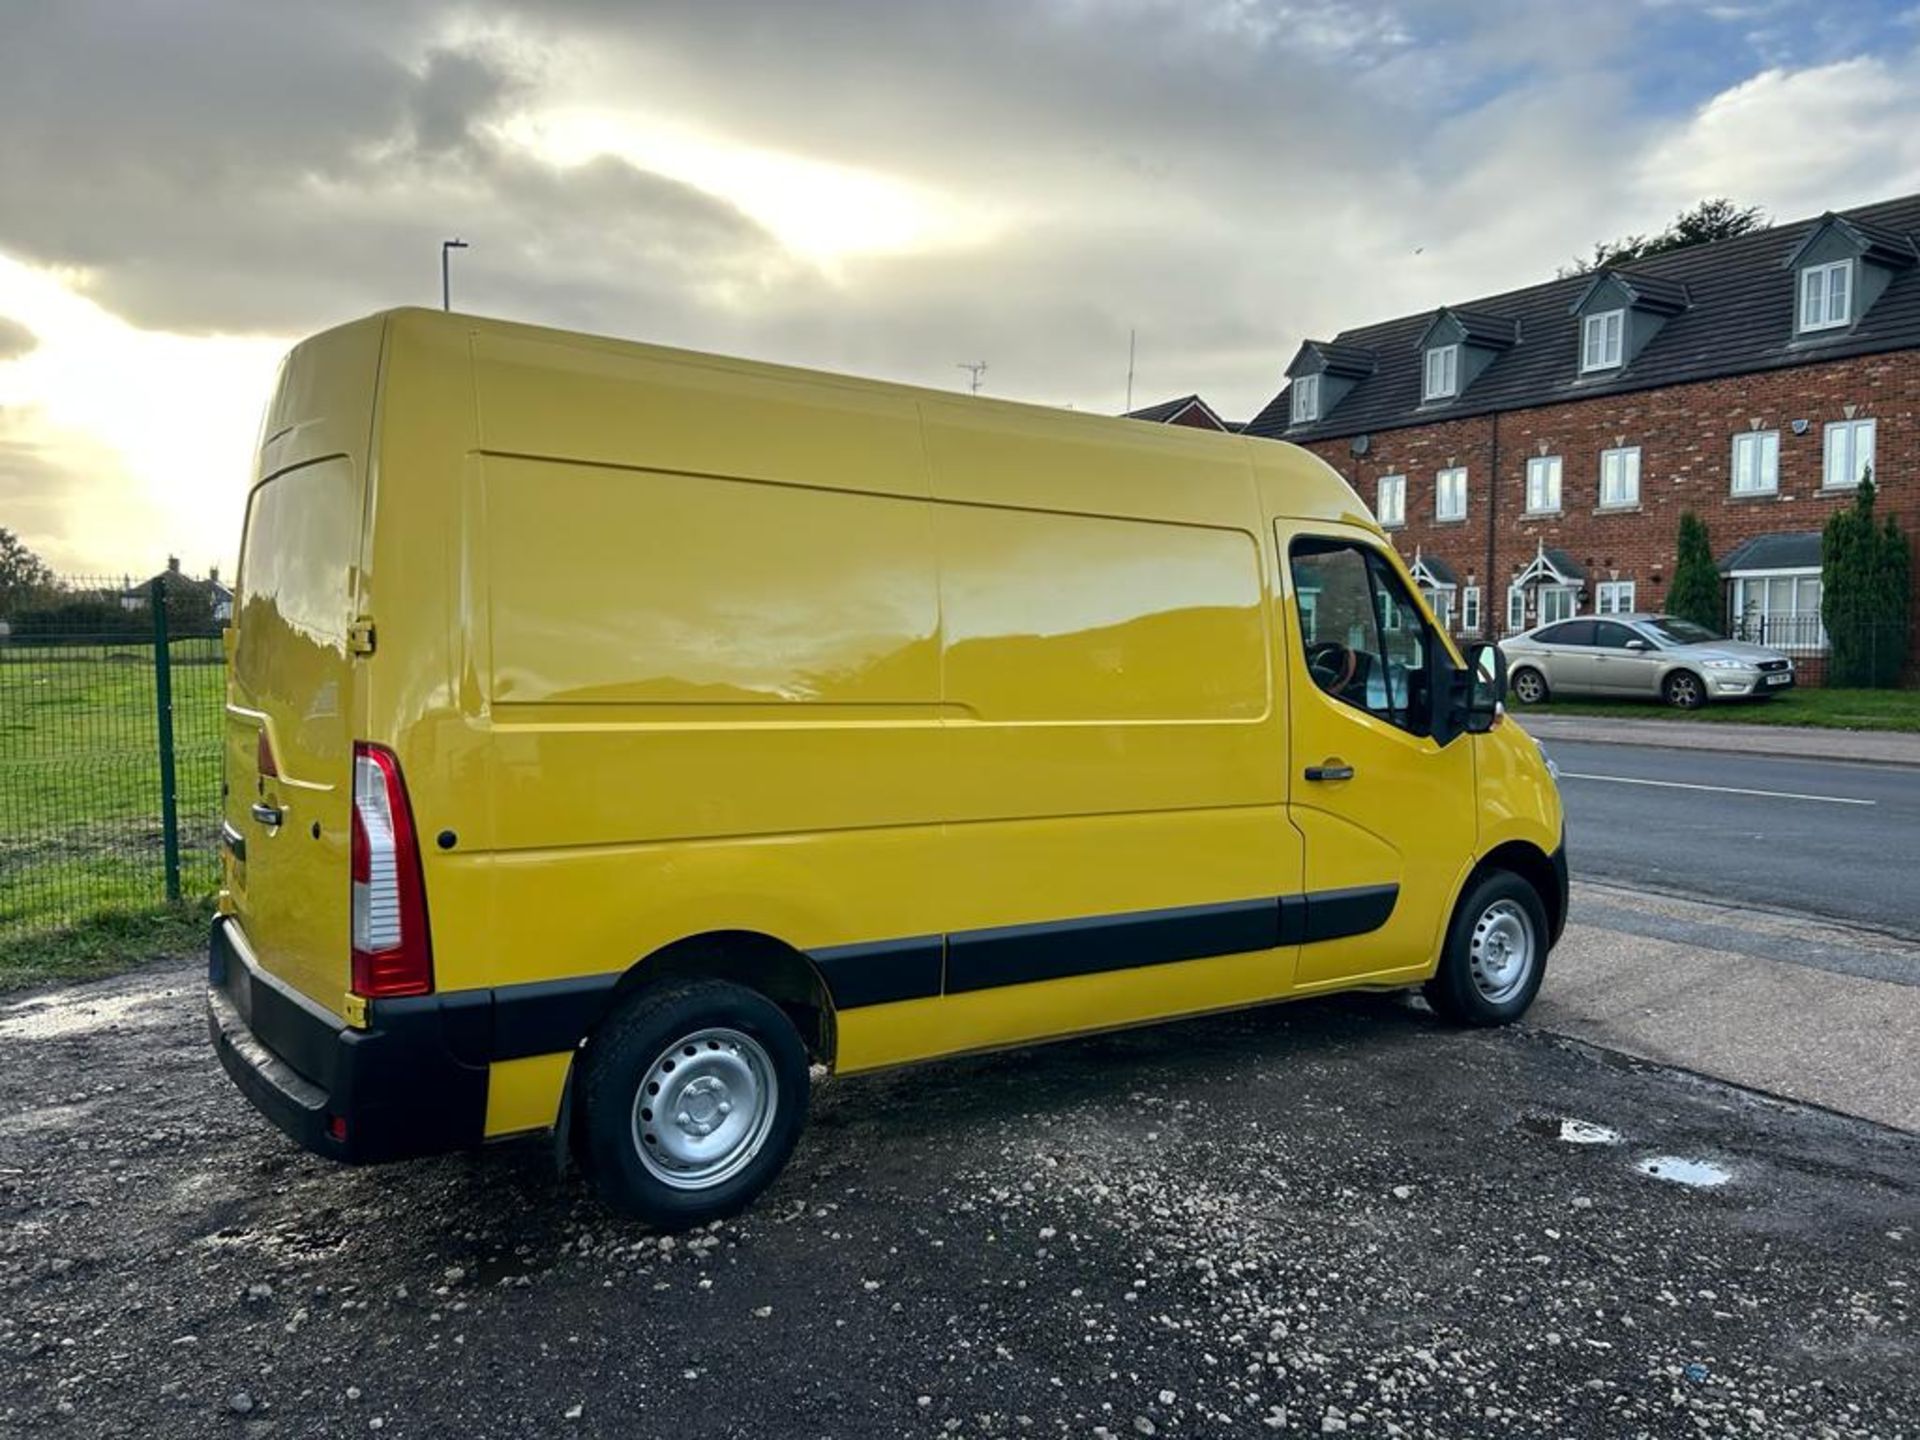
(1726, 664)
(1553, 770)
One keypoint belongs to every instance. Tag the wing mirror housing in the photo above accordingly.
(1470, 697)
(1485, 687)
(1638, 645)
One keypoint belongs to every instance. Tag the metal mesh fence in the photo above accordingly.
(111, 708)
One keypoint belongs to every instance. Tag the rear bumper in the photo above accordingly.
(414, 1082)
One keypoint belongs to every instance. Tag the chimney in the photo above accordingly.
(173, 564)
(213, 574)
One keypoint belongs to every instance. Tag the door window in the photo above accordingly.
(1366, 643)
(1612, 635)
(1574, 632)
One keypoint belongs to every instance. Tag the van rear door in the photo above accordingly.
(291, 697)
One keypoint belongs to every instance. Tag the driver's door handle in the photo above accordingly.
(1334, 771)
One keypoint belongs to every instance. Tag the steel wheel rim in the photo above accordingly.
(704, 1108)
(1502, 953)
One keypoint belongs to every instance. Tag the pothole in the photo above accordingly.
(1699, 1174)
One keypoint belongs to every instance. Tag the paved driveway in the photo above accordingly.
(1329, 1218)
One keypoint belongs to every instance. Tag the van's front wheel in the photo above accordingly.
(694, 1095)
(1496, 953)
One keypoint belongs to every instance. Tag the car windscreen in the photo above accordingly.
(1676, 631)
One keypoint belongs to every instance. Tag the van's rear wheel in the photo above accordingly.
(1496, 953)
(693, 1098)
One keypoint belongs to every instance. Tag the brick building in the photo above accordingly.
(1532, 452)
(1188, 410)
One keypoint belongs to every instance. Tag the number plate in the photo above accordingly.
(1785, 677)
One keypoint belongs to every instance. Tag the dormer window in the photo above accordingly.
(1603, 340)
(1306, 398)
(1841, 268)
(1825, 291)
(1620, 312)
(1443, 373)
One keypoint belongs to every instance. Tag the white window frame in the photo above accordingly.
(1555, 594)
(1757, 454)
(1817, 292)
(1613, 597)
(1609, 329)
(1745, 581)
(1627, 481)
(1446, 360)
(1470, 618)
(1442, 479)
(1306, 398)
(1858, 458)
(1439, 600)
(1395, 514)
(1516, 609)
(1548, 471)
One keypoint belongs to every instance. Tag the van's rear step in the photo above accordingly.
(413, 1083)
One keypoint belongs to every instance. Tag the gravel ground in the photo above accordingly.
(1321, 1219)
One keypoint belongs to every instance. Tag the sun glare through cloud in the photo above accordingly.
(820, 211)
(161, 425)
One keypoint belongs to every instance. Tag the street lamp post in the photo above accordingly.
(446, 293)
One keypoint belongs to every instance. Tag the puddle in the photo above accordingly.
(1700, 1174)
(1570, 1131)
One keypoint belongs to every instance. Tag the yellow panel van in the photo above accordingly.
(615, 733)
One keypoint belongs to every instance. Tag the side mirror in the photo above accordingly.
(1486, 687)
(1638, 645)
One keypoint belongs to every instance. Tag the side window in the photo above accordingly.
(1366, 643)
(1612, 635)
(1573, 632)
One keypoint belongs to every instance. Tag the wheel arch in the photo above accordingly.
(776, 969)
(1531, 864)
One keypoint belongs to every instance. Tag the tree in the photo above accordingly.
(22, 573)
(1696, 592)
(1865, 575)
(1715, 219)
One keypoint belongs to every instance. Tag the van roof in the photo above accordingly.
(1307, 487)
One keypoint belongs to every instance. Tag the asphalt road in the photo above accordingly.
(1337, 1217)
(1826, 838)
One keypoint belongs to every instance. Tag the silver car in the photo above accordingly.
(1646, 657)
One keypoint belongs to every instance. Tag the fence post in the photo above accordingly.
(163, 715)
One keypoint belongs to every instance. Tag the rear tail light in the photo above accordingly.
(392, 954)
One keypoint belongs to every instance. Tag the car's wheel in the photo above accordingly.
(693, 1096)
(1528, 685)
(1684, 690)
(1495, 956)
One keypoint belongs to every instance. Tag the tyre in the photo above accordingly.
(1528, 685)
(1495, 956)
(1684, 690)
(693, 1095)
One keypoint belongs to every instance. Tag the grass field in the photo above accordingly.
(80, 829)
(1824, 709)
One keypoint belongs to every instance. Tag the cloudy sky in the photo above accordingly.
(888, 187)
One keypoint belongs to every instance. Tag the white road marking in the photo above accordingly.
(1718, 789)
